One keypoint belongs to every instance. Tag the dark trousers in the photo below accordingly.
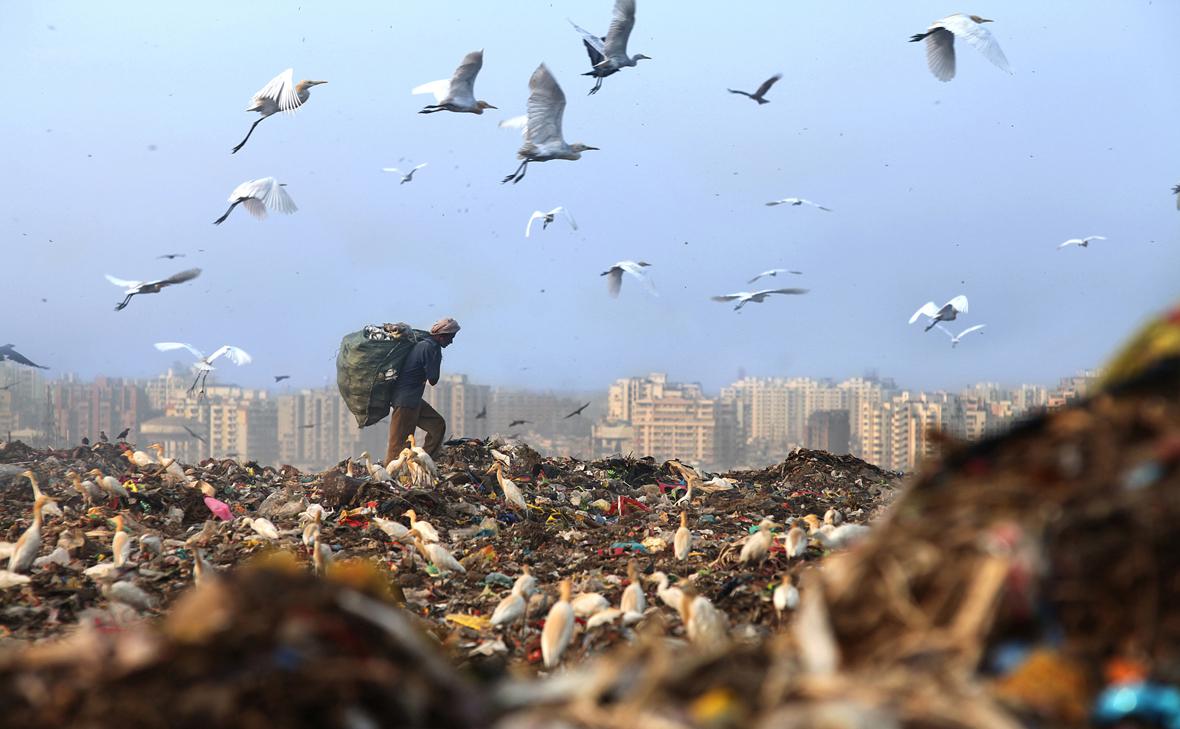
(405, 420)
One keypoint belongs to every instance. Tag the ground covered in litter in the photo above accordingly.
(1028, 580)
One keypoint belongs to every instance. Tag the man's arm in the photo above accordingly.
(433, 365)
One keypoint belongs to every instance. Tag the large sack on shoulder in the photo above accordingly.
(367, 367)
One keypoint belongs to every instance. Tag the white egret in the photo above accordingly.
(525, 583)
(120, 543)
(704, 624)
(786, 596)
(670, 596)
(796, 543)
(26, 548)
(543, 140)
(947, 312)
(438, 555)
(204, 364)
(760, 94)
(149, 287)
(682, 542)
(1080, 242)
(615, 273)
(956, 338)
(458, 94)
(608, 54)
(559, 628)
(940, 43)
(589, 603)
(406, 176)
(757, 545)
(259, 196)
(633, 599)
(772, 272)
(797, 201)
(548, 218)
(376, 471)
(510, 609)
(51, 508)
(744, 297)
(512, 493)
(422, 528)
(840, 537)
(280, 94)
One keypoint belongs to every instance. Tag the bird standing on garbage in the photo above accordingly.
(796, 543)
(543, 140)
(89, 490)
(940, 43)
(704, 624)
(26, 548)
(457, 94)
(279, 94)
(423, 529)
(757, 545)
(120, 543)
(559, 628)
(525, 582)
(608, 54)
(512, 493)
(51, 508)
(786, 596)
(376, 471)
(438, 555)
(633, 599)
(670, 596)
(682, 542)
(111, 485)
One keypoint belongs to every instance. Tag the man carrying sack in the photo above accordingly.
(410, 411)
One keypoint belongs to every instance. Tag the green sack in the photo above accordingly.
(367, 367)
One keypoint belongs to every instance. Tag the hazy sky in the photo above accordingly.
(120, 117)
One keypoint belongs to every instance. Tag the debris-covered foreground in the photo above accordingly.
(1027, 580)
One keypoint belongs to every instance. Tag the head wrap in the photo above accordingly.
(445, 326)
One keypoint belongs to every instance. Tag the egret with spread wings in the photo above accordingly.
(133, 288)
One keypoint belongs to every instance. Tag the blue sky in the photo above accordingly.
(121, 117)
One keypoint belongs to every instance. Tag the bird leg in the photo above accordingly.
(597, 86)
(221, 220)
(517, 176)
(432, 108)
(931, 325)
(243, 142)
(123, 305)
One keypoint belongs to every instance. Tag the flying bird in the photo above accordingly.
(772, 272)
(1176, 192)
(458, 94)
(542, 135)
(280, 94)
(745, 297)
(608, 54)
(1081, 242)
(515, 423)
(548, 218)
(195, 435)
(517, 122)
(406, 176)
(947, 312)
(940, 43)
(204, 364)
(797, 201)
(483, 413)
(133, 288)
(615, 273)
(576, 412)
(956, 338)
(260, 196)
(280, 378)
(306, 426)
(7, 352)
(170, 256)
(760, 94)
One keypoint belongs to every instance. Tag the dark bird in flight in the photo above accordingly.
(170, 256)
(190, 432)
(515, 423)
(577, 412)
(123, 434)
(280, 378)
(760, 94)
(482, 413)
(309, 425)
(131, 288)
(8, 353)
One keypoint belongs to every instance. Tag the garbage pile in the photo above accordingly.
(1027, 580)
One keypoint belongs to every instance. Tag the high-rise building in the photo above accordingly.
(241, 422)
(829, 430)
(85, 409)
(459, 402)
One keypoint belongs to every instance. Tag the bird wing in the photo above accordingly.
(940, 53)
(418, 167)
(391, 169)
(1070, 242)
(19, 358)
(767, 84)
(594, 44)
(764, 292)
(980, 38)
(181, 277)
(620, 29)
(169, 346)
(959, 304)
(814, 204)
(927, 309)
(945, 331)
(439, 88)
(123, 283)
(566, 213)
(968, 330)
(1094, 237)
(463, 82)
(546, 107)
(281, 90)
(277, 199)
(235, 355)
(255, 207)
(517, 122)
(728, 297)
(614, 280)
(537, 215)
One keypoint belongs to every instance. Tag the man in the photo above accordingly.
(410, 411)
